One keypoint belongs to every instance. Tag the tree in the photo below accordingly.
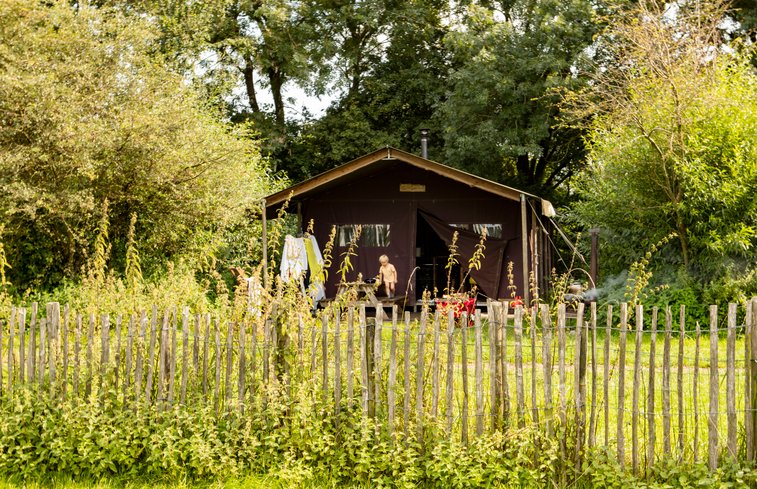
(395, 97)
(89, 114)
(501, 116)
(671, 146)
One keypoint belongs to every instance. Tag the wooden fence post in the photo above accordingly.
(151, 353)
(731, 380)
(666, 381)
(534, 401)
(435, 366)
(698, 333)
(205, 356)
(593, 413)
(519, 389)
(606, 376)
(450, 370)
(747, 379)
(714, 391)
(370, 372)
(679, 380)
(140, 348)
(479, 376)
(493, 363)
(363, 326)
(33, 346)
(240, 374)
(229, 364)
(390, 390)
(171, 360)
(217, 384)
(12, 320)
(324, 355)
(636, 388)
(117, 355)
(12, 327)
(621, 443)
(504, 384)
(464, 366)
(406, 374)
(185, 355)
(350, 356)
(163, 356)
(579, 387)
(753, 376)
(128, 358)
(337, 367)
(651, 391)
(377, 358)
(53, 318)
(547, 364)
(77, 349)
(419, 367)
(90, 366)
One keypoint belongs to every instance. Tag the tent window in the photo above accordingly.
(373, 235)
(492, 230)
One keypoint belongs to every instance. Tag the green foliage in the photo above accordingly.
(297, 442)
(99, 262)
(177, 284)
(511, 62)
(40, 437)
(451, 261)
(104, 120)
(3, 265)
(346, 264)
(601, 470)
(133, 271)
(671, 147)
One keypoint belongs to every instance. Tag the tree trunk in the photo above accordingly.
(249, 82)
(682, 237)
(276, 78)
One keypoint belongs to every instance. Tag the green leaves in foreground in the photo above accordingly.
(295, 442)
(89, 112)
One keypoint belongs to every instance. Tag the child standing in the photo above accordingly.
(388, 275)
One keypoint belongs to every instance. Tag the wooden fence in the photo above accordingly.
(643, 385)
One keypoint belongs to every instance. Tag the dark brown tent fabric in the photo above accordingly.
(398, 215)
(488, 277)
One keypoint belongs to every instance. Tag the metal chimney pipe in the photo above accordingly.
(424, 143)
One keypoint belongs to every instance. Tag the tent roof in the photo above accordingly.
(301, 190)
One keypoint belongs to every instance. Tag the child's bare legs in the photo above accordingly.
(389, 289)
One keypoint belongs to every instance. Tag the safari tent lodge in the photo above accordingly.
(409, 207)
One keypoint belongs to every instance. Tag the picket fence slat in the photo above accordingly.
(651, 391)
(620, 439)
(636, 389)
(731, 380)
(547, 364)
(712, 418)
(419, 385)
(479, 375)
(519, 393)
(695, 394)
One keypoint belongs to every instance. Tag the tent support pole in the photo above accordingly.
(524, 249)
(264, 236)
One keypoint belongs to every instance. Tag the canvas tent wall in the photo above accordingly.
(389, 191)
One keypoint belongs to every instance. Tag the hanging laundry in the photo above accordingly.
(294, 259)
(315, 262)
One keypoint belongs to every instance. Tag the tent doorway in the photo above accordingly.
(431, 255)
(432, 237)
